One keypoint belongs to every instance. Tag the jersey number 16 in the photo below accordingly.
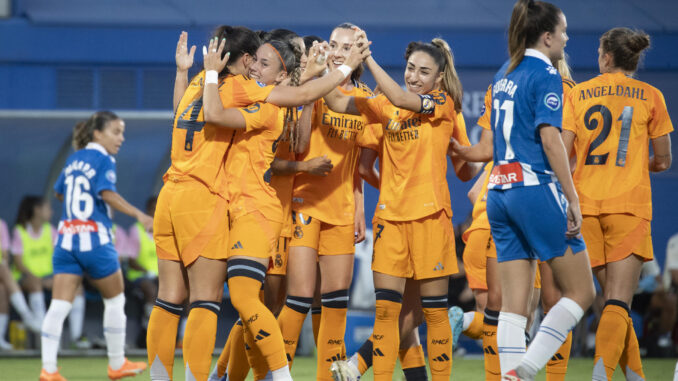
(79, 203)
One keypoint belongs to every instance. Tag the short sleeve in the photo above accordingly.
(371, 137)
(370, 107)
(260, 116)
(59, 185)
(251, 91)
(484, 120)
(660, 124)
(569, 121)
(106, 176)
(459, 133)
(548, 99)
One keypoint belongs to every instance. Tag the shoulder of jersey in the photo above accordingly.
(569, 83)
(365, 89)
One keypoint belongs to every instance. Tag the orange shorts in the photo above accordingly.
(252, 235)
(190, 222)
(479, 246)
(325, 238)
(419, 249)
(613, 237)
(280, 254)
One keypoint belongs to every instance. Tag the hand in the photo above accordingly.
(574, 219)
(359, 226)
(359, 51)
(318, 166)
(146, 221)
(454, 148)
(212, 57)
(317, 57)
(183, 57)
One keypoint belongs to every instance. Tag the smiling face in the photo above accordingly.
(267, 67)
(422, 74)
(341, 41)
(112, 136)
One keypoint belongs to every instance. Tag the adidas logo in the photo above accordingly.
(439, 267)
(557, 357)
(289, 358)
(261, 335)
(237, 245)
(442, 358)
(489, 351)
(336, 357)
(377, 352)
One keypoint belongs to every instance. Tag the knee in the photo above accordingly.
(389, 303)
(116, 302)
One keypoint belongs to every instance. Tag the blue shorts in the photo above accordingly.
(530, 223)
(97, 263)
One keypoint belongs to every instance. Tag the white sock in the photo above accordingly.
(468, 319)
(52, 326)
(19, 303)
(282, 374)
(37, 302)
(115, 323)
(552, 333)
(77, 317)
(4, 321)
(510, 340)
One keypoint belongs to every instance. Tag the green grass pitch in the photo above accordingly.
(94, 369)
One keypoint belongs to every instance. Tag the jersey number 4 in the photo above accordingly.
(79, 203)
(592, 124)
(191, 125)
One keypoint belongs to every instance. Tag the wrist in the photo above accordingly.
(211, 76)
(182, 72)
(302, 166)
(345, 70)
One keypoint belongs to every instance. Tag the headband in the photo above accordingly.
(279, 56)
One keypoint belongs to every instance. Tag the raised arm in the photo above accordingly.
(184, 59)
(661, 160)
(395, 94)
(338, 102)
(118, 203)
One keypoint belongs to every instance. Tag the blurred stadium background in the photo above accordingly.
(61, 60)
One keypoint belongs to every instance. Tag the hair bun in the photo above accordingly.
(639, 41)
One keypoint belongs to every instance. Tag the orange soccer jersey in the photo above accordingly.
(249, 163)
(330, 198)
(414, 168)
(284, 184)
(613, 117)
(198, 148)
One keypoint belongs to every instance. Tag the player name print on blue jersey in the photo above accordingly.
(523, 101)
(85, 223)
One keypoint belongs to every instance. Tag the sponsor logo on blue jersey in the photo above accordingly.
(552, 101)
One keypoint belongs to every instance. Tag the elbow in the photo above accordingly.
(363, 171)
(662, 165)
(400, 100)
(209, 115)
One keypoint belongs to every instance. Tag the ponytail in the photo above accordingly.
(451, 82)
(441, 53)
(529, 20)
(83, 132)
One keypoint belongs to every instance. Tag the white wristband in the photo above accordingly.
(211, 76)
(345, 70)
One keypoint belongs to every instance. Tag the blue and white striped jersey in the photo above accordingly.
(85, 222)
(522, 100)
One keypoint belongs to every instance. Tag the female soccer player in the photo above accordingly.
(328, 218)
(191, 226)
(87, 188)
(412, 225)
(531, 168)
(610, 121)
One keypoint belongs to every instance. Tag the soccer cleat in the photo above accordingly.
(128, 369)
(342, 370)
(44, 376)
(511, 376)
(456, 316)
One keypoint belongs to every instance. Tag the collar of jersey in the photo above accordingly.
(537, 54)
(97, 147)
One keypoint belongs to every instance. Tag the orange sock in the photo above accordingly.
(255, 359)
(386, 335)
(365, 356)
(201, 332)
(556, 368)
(222, 361)
(245, 278)
(291, 320)
(492, 368)
(316, 313)
(331, 334)
(630, 358)
(439, 336)
(238, 364)
(161, 338)
(610, 338)
(413, 362)
(475, 329)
